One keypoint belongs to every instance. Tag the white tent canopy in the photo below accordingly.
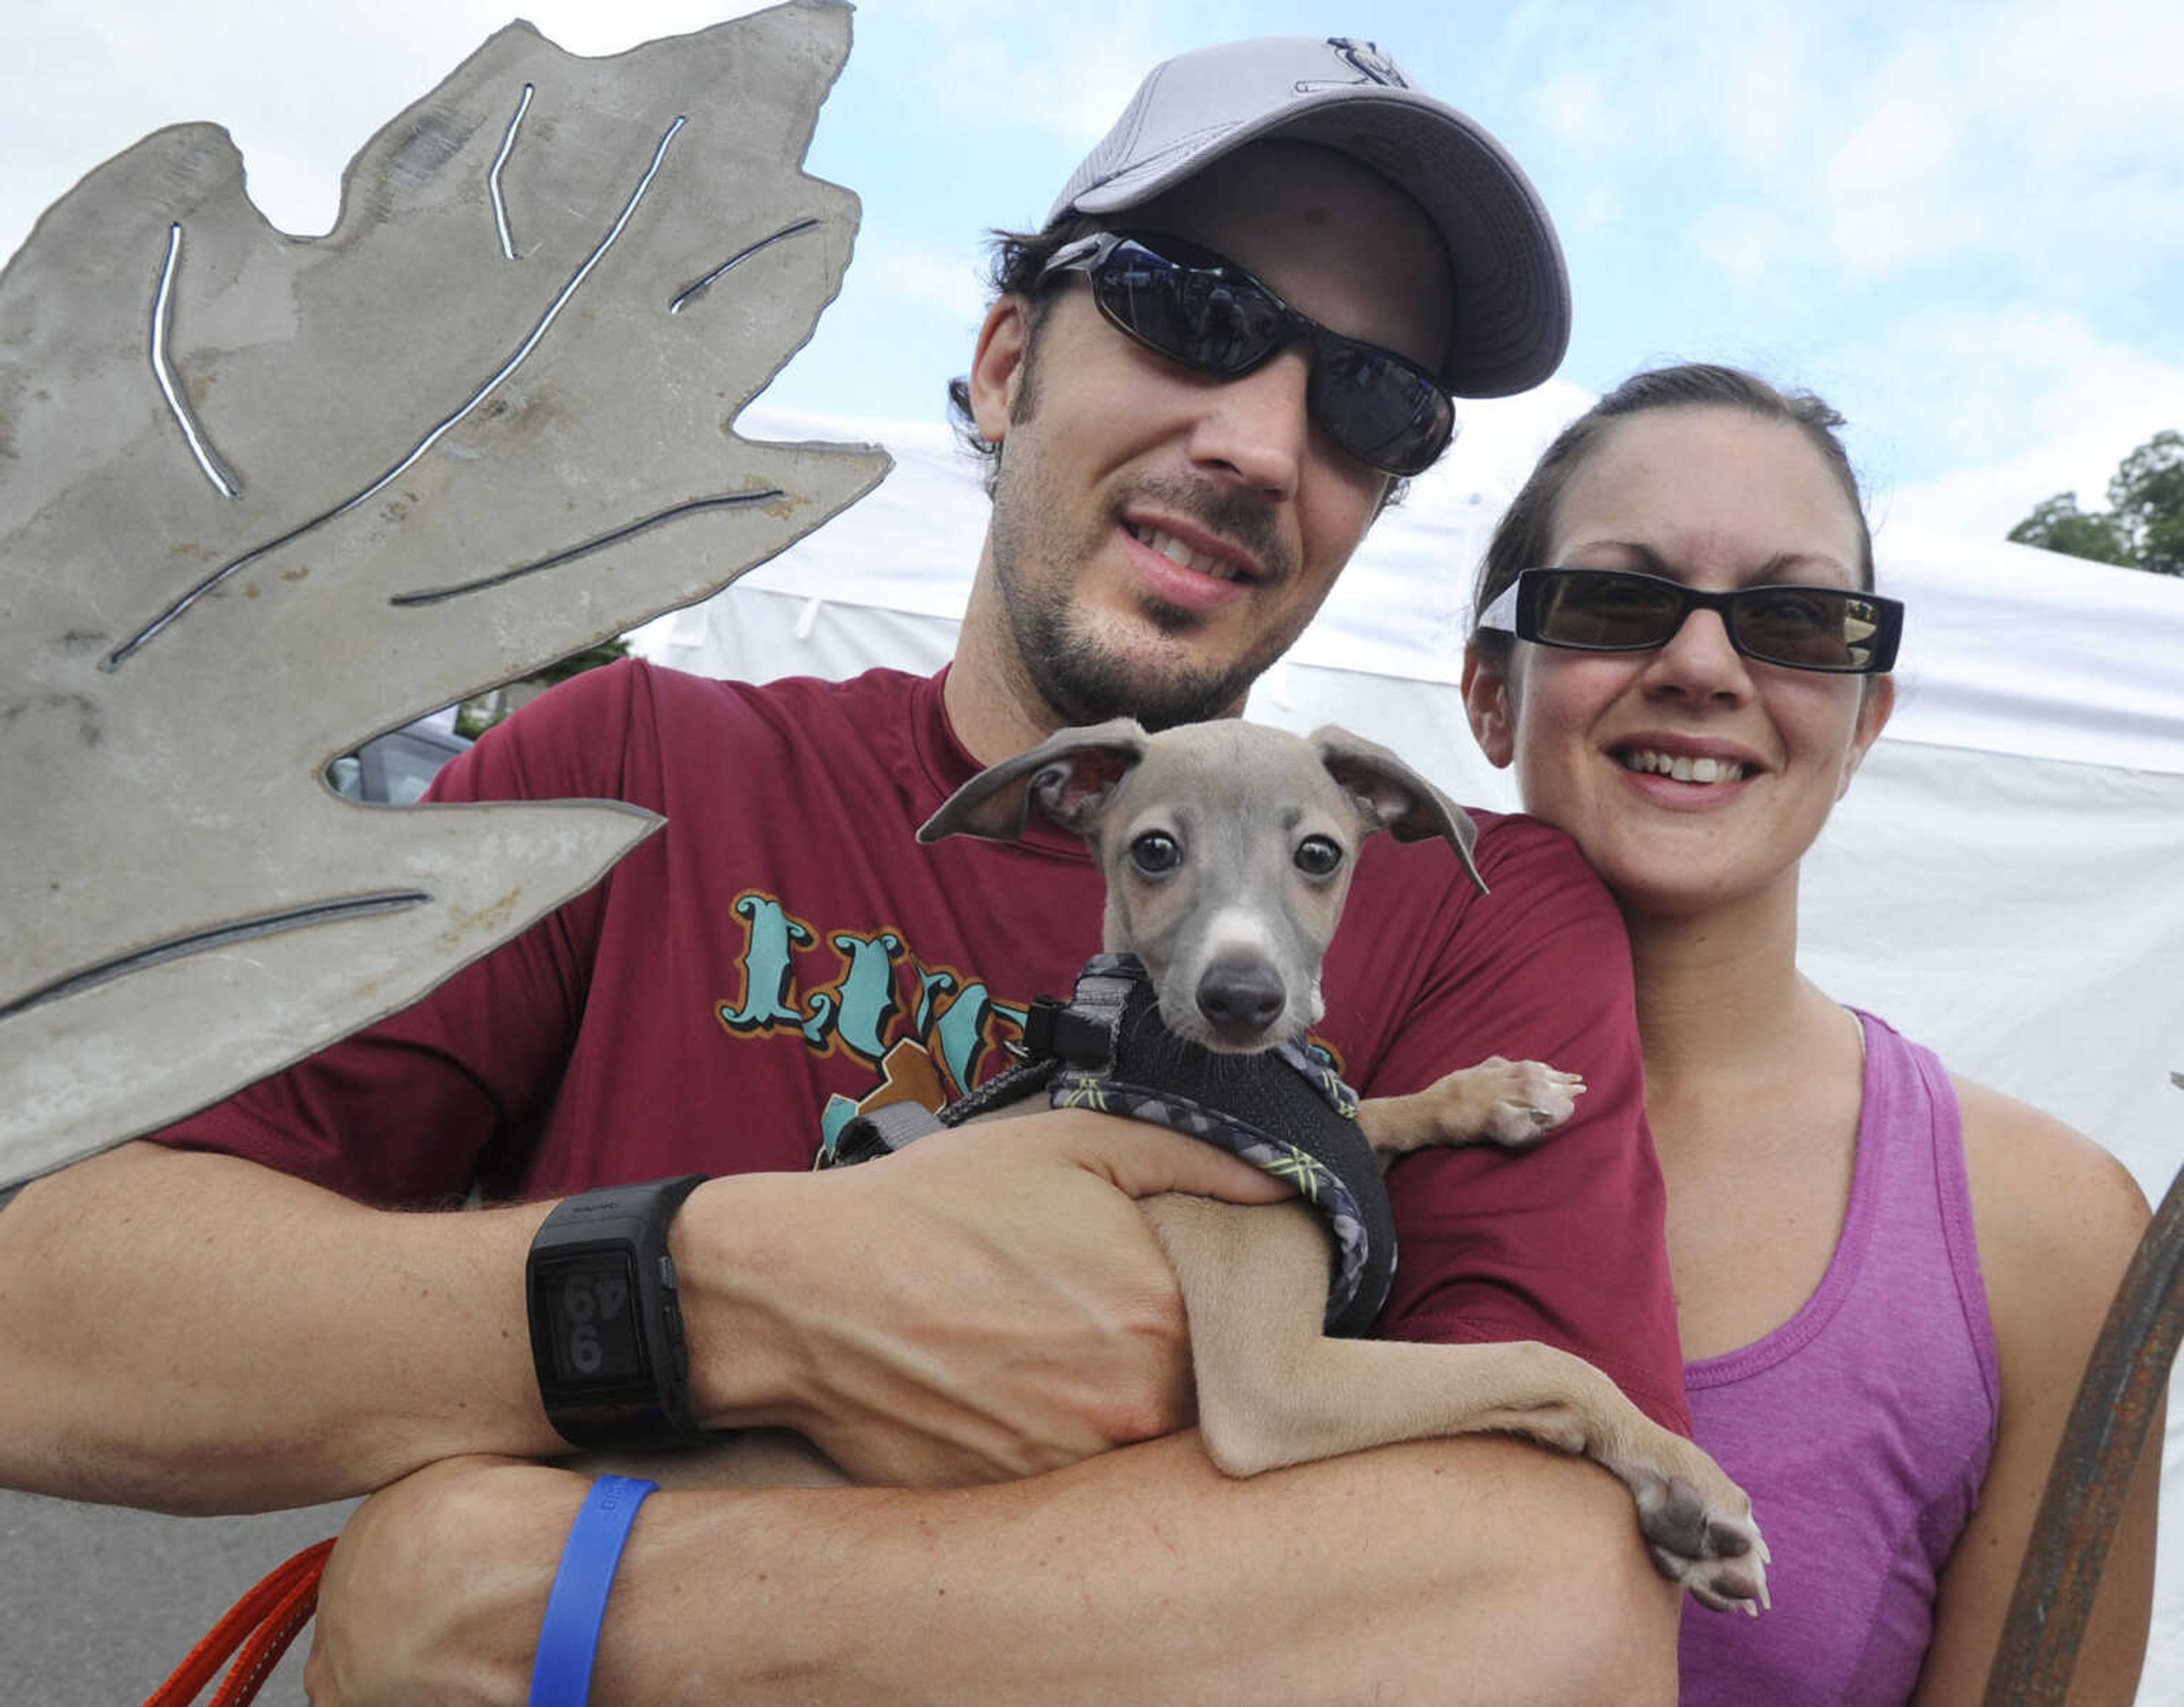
(2004, 881)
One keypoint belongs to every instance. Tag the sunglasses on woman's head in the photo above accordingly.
(1209, 315)
(1825, 628)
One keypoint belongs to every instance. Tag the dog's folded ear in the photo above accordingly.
(1070, 777)
(1393, 797)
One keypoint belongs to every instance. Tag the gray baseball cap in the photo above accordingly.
(1513, 310)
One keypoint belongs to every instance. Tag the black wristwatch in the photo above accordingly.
(606, 1326)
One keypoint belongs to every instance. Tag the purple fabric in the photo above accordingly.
(1861, 1427)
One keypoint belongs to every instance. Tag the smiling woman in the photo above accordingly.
(1887, 1279)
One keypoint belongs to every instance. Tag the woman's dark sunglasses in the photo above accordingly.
(1827, 628)
(1208, 313)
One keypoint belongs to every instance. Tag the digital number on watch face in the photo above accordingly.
(591, 1305)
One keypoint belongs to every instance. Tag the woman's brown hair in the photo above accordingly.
(1522, 539)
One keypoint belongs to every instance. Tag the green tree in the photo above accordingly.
(2059, 524)
(2142, 527)
(2146, 496)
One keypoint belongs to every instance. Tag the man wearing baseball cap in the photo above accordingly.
(1242, 324)
(1511, 315)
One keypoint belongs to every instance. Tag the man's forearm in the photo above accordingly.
(1479, 1571)
(1475, 1570)
(196, 1333)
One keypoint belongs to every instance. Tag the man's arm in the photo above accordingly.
(194, 1332)
(1471, 1570)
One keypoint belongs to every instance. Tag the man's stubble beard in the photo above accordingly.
(1082, 676)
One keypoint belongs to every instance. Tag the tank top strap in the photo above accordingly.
(1906, 1229)
(1917, 1196)
(1862, 1427)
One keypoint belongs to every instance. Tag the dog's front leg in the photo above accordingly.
(1513, 1103)
(1274, 1390)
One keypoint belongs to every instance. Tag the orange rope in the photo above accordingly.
(262, 1625)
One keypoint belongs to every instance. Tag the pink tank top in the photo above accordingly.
(1860, 1427)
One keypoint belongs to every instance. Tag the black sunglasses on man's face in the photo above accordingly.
(1831, 629)
(1193, 307)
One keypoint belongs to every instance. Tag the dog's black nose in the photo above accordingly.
(1240, 998)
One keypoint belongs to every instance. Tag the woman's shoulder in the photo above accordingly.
(2038, 1177)
(2056, 1216)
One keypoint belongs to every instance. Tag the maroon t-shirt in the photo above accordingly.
(785, 949)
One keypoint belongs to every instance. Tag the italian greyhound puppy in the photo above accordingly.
(1228, 849)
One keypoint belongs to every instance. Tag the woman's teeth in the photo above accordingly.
(1176, 551)
(1682, 766)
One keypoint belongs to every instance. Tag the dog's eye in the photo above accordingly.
(1155, 854)
(1317, 856)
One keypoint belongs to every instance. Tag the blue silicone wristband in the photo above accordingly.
(569, 1639)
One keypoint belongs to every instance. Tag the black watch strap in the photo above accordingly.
(607, 1319)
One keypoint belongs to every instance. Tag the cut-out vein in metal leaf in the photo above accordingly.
(264, 497)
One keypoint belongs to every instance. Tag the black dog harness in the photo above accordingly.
(1284, 1110)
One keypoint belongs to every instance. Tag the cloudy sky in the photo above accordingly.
(1963, 224)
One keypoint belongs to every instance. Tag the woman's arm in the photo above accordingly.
(2058, 1218)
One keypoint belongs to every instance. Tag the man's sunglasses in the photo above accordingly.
(1211, 315)
(1826, 628)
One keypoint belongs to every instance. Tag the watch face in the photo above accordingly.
(590, 1310)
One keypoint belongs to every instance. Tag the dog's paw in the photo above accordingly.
(1719, 1555)
(1530, 1100)
(1701, 1533)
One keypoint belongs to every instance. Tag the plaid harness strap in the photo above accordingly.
(1285, 1110)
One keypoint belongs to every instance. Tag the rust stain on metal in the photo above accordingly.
(493, 919)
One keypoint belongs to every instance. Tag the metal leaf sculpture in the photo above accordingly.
(262, 499)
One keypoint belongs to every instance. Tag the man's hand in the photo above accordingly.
(985, 1305)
